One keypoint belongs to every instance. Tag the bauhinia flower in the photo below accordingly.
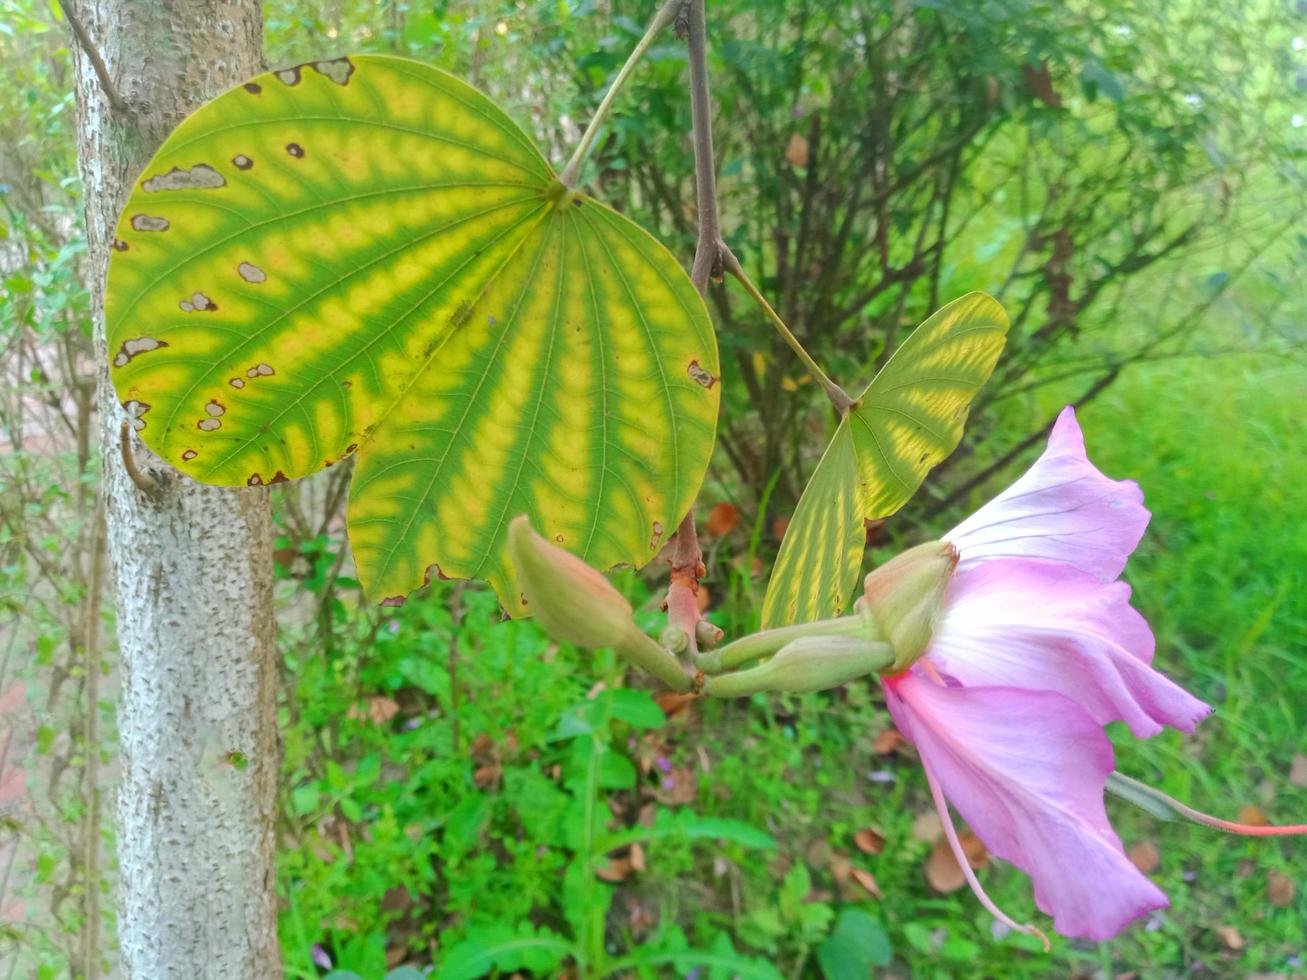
(1034, 648)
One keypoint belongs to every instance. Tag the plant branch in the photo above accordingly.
(839, 397)
(685, 554)
(661, 19)
(84, 41)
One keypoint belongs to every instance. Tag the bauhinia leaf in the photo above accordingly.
(366, 256)
(906, 421)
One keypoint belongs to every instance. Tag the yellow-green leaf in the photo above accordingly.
(906, 421)
(368, 257)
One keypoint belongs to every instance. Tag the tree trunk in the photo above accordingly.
(192, 565)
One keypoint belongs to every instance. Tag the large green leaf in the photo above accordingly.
(366, 256)
(906, 421)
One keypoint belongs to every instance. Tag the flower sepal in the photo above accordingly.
(905, 596)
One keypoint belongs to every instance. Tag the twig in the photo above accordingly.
(710, 250)
(116, 101)
(144, 482)
(685, 554)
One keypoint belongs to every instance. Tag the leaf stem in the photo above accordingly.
(839, 397)
(661, 19)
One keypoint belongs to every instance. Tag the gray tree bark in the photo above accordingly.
(192, 565)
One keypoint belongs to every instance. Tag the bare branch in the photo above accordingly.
(111, 93)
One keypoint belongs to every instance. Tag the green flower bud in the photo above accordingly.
(576, 604)
(906, 595)
(810, 663)
(573, 602)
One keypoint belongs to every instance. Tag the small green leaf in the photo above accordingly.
(637, 708)
(906, 421)
(857, 945)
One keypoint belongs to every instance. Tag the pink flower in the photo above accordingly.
(1062, 509)
(1035, 649)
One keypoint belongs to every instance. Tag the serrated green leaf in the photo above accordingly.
(366, 256)
(906, 421)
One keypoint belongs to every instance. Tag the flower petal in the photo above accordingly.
(1062, 509)
(1026, 770)
(1048, 627)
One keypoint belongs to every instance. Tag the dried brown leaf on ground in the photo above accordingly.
(941, 868)
(1230, 937)
(723, 518)
(1280, 889)
(796, 151)
(1144, 856)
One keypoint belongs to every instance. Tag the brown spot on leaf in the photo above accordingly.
(394, 600)
(198, 303)
(149, 222)
(237, 382)
(338, 69)
(254, 88)
(189, 455)
(657, 534)
(254, 481)
(278, 477)
(295, 150)
(120, 245)
(462, 313)
(289, 76)
(251, 272)
(260, 370)
(199, 177)
(215, 408)
(241, 162)
(351, 447)
(699, 375)
(138, 345)
(136, 411)
(576, 202)
(209, 424)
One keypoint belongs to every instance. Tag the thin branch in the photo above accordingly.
(116, 101)
(710, 249)
(685, 554)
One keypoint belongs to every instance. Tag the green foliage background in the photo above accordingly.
(1127, 178)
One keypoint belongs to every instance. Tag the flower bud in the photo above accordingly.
(810, 663)
(905, 596)
(571, 601)
(576, 604)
